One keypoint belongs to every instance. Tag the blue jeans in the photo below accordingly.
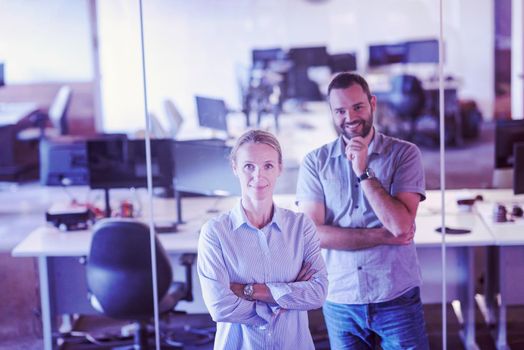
(395, 324)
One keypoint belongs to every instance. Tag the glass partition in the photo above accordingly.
(225, 68)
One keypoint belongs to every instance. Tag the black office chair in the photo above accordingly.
(119, 275)
(407, 101)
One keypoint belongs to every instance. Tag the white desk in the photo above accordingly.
(63, 288)
(460, 267)
(504, 264)
(12, 113)
(58, 256)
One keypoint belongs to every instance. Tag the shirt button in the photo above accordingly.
(360, 267)
(356, 206)
(356, 185)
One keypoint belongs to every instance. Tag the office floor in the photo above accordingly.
(20, 212)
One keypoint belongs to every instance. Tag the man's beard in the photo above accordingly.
(366, 128)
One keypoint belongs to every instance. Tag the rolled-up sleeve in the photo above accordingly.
(305, 295)
(309, 186)
(222, 304)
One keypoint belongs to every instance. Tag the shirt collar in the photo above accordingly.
(239, 218)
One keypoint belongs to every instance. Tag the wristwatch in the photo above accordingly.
(248, 291)
(368, 174)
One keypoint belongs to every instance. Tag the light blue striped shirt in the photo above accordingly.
(231, 250)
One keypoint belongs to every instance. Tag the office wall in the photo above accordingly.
(199, 47)
(45, 41)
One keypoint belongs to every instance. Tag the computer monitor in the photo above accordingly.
(121, 163)
(518, 168)
(309, 56)
(342, 62)
(203, 168)
(264, 56)
(2, 74)
(507, 134)
(380, 55)
(212, 113)
(422, 51)
(63, 162)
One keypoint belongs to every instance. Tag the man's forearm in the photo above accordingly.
(391, 212)
(340, 238)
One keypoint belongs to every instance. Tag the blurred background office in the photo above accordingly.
(214, 68)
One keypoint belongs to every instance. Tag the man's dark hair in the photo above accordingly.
(346, 79)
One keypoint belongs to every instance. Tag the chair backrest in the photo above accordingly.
(174, 118)
(58, 109)
(407, 95)
(157, 129)
(119, 273)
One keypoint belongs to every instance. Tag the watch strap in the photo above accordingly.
(367, 174)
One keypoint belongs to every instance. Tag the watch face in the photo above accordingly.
(248, 290)
(368, 173)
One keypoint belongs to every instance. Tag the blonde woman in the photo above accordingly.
(259, 265)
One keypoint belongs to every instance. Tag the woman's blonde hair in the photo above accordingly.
(257, 136)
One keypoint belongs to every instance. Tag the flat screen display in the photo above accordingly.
(342, 62)
(212, 113)
(63, 163)
(121, 163)
(2, 74)
(309, 56)
(380, 55)
(264, 56)
(518, 172)
(422, 51)
(204, 168)
(507, 134)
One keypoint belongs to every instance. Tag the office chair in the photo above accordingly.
(174, 118)
(119, 275)
(407, 100)
(56, 115)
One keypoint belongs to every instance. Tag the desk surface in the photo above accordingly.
(505, 233)
(48, 241)
(12, 113)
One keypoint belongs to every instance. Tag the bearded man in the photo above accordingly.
(362, 191)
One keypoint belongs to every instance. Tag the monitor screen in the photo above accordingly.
(309, 56)
(380, 55)
(212, 113)
(264, 56)
(518, 172)
(342, 62)
(121, 163)
(422, 51)
(2, 74)
(63, 162)
(204, 168)
(507, 134)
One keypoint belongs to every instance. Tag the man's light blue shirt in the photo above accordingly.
(231, 250)
(376, 274)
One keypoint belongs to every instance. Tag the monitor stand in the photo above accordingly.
(107, 203)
